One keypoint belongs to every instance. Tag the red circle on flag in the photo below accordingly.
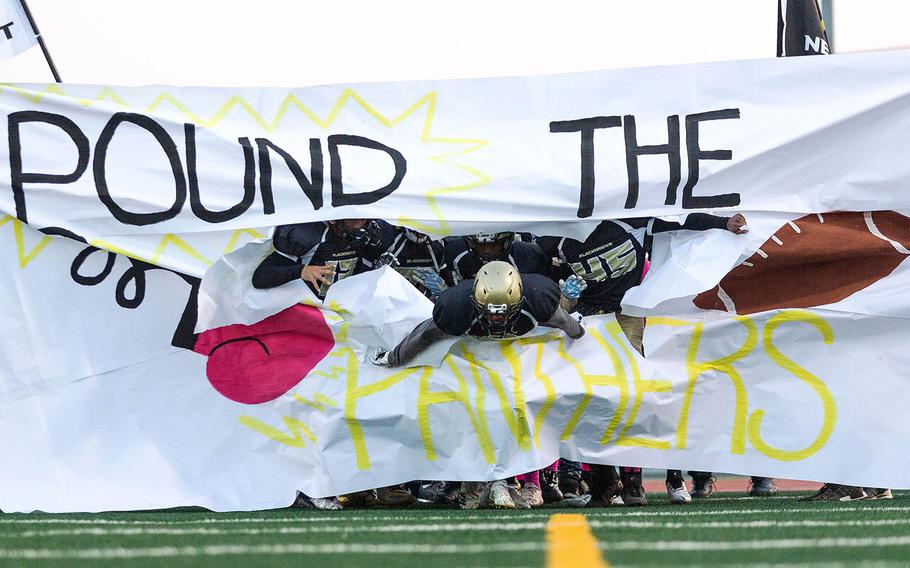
(253, 364)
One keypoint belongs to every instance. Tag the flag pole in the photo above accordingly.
(828, 15)
(47, 55)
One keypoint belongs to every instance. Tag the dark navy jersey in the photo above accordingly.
(305, 244)
(456, 314)
(410, 256)
(528, 258)
(612, 259)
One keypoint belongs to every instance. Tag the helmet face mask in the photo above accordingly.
(490, 246)
(498, 298)
(356, 232)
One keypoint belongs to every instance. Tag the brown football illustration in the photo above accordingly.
(815, 260)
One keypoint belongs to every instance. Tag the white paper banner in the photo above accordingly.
(110, 401)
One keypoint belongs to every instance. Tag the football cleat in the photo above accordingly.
(835, 492)
(762, 487)
(500, 496)
(395, 496)
(531, 494)
(703, 486)
(878, 493)
(304, 501)
(633, 493)
(676, 488)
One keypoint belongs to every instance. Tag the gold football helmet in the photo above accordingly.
(498, 297)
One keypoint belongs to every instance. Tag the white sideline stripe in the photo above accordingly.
(414, 548)
(779, 544)
(329, 517)
(457, 527)
(271, 549)
(851, 564)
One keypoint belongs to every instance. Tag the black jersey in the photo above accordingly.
(612, 259)
(304, 244)
(455, 313)
(410, 256)
(528, 258)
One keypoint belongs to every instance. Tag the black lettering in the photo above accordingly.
(695, 153)
(339, 197)
(633, 151)
(312, 187)
(96, 279)
(586, 126)
(170, 150)
(249, 188)
(18, 178)
(6, 32)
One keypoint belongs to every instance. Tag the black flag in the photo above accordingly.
(800, 28)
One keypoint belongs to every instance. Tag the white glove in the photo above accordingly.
(388, 259)
(572, 287)
(380, 357)
(581, 321)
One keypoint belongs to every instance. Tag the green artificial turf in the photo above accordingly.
(725, 530)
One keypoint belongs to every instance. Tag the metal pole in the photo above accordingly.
(47, 55)
(828, 15)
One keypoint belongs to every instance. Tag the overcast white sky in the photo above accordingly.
(295, 43)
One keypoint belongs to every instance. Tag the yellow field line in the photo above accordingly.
(570, 543)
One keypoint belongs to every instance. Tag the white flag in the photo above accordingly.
(16, 33)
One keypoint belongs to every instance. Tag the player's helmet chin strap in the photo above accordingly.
(498, 320)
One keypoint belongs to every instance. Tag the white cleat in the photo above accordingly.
(499, 495)
(679, 495)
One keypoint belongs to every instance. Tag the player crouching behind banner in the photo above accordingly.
(499, 303)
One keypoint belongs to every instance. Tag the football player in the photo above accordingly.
(322, 253)
(610, 261)
(498, 303)
(465, 255)
(420, 260)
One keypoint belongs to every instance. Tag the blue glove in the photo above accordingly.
(573, 286)
(431, 280)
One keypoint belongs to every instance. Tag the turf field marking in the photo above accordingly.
(777, 544)
(272, 549)
(416, 548)
(440, 527)
(853, 564)
(570, 543)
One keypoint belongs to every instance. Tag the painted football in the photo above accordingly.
(815, 260)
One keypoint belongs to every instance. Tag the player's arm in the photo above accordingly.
(701, 222)
(424, 335)
(291, 242)
(570, 324)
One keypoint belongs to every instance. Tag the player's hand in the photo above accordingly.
(431, 280)
(581, 321)
(573, 286)
(737, 224)
(379, 357)
(318, 275)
